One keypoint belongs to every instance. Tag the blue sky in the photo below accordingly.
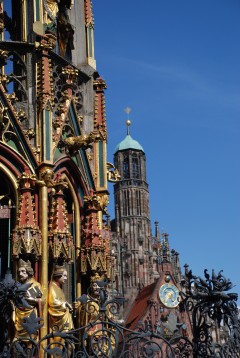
(177, 65)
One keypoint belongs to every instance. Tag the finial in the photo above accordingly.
(128, 122)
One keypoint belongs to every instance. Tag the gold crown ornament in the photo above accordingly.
(26, 264)
(58, 270)
(95, 278)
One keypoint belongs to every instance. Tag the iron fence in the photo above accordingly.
(205, 299)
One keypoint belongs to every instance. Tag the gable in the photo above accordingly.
(13, 130)
(71, 128)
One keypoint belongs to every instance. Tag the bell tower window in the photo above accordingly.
(135, 168)
(126, 173)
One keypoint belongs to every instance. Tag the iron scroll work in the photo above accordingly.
(207, 301)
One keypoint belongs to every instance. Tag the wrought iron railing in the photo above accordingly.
(207, 301)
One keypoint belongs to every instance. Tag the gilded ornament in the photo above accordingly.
(12, 97)
(48, 42)
(46, 177)
(21, 115)
(80, 117)
(104, 200)
(30, 133)
(112, 173)
(70, 73)
(99, 82)
(83, 141)
(3, 118)
(3, 56)
(4, 79)
(93, 202)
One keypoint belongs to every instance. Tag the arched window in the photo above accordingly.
(135, 167)
(126, 173)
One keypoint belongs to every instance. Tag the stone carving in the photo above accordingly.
(60, 311)
(33, 298)
(83, 141)
(112, 173)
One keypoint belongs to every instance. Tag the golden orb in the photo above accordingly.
(128, 122)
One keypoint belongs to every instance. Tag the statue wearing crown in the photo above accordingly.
(59, 310)
(33, 297)
(94, 314)
(89, 309)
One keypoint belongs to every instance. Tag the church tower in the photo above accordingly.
(132, 216)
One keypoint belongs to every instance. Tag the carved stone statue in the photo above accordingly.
(50, 16)
(33, 297)
(57, 22)
(99, 336)
(60, 311)
(65, 32)
(89, 312)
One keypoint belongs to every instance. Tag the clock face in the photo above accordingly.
(169, 295)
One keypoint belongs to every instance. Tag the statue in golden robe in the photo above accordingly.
(33, 297)
(99, 332)
(50, 11)
(57, 22)
(59, 310)
(89, 312)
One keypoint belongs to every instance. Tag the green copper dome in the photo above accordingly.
(128, 143)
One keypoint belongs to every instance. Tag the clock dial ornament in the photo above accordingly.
(169, 295)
